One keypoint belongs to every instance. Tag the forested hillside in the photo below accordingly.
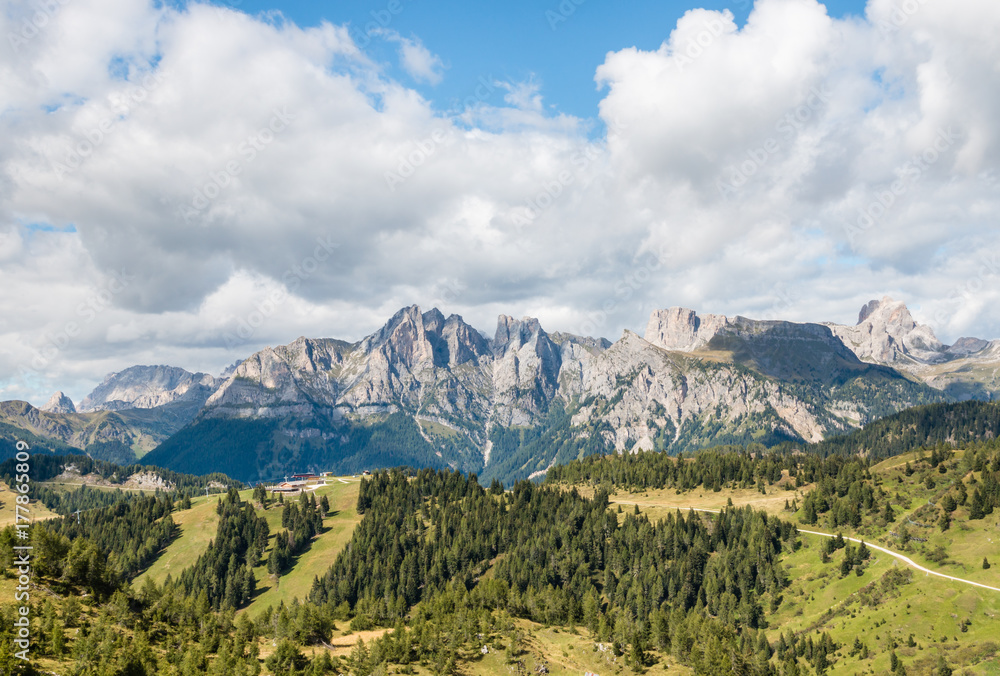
(443, 575)
(255, 450)
(918, 427)
(695, 586)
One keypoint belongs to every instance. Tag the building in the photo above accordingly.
(290, 487)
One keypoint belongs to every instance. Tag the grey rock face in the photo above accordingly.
(967, 346)
(525, 370)
(413, 360)
(229, 370)
(867, 310)
(59, 403)
(886, 333)
(682, 329)
(148, 387)
(690, 382)
(654, 390)
(644, 391)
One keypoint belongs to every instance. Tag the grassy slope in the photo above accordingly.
(8, 513)
(318, 558)
(966, 542)
(565, 653)
(197, 526)
(929, 608)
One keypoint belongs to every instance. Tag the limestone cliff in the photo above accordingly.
(148, 387)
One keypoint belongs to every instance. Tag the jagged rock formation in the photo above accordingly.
(229, 370)
(681, 329)
(148, 387)
(525, 370)
(967, 346)
(59, 403)
(886, 333)
(690, 382)
(431, 390)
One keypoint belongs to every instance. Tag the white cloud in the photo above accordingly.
(228, 166)
(418, 61)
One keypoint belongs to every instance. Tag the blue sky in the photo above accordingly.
(558, 44)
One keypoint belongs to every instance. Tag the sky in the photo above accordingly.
(186, 183)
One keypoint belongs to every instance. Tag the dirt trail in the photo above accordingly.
(905, 559)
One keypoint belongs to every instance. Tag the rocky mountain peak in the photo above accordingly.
(59, 403)
(411, 338)
(463, 343)
(526, 360)
(148, 387)
(967, 346)
(230, 370)
(433, 320)
(513, 333)
(868, 308)
(887, 333)
(889, 313)
(681, 329)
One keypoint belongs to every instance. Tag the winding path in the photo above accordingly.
(905, 559)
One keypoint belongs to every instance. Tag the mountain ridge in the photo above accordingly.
(512, 405)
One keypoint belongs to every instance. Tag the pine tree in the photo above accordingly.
(887, 513)
(58, 640)
(809, 512)
(976, 509)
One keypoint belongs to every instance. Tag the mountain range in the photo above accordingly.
(430, 390)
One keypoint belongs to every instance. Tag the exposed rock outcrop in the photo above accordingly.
(681, 329)
(652, 392)
(59, 403)
(968, 346)
(148, 387)
(886, 333)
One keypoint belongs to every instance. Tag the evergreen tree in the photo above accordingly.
(976, 508)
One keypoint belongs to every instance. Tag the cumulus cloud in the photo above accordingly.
(217, 182)
(418, 61)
